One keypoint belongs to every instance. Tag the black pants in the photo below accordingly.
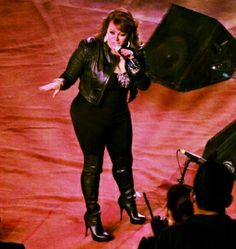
(98, 128)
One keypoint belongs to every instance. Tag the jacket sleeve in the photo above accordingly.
(75, 65)
(141, 79)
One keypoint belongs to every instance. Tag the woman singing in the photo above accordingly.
(111, 69)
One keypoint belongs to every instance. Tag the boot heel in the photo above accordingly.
(121, 213)
(129, 206)
(86, 229)
(97, 232)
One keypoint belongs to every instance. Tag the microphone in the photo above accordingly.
(132, 64)
(193, 157)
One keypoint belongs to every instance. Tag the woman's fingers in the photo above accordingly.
(55, 85)
(51, 86)
(127, 53)
(55, 93)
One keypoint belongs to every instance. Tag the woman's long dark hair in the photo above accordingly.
(126, 23)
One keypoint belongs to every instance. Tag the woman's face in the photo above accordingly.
(115, 36)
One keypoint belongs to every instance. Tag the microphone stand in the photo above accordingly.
(186, 164)
(148, 205)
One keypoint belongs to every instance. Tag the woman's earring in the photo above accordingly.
(128, 44)
(105, 38)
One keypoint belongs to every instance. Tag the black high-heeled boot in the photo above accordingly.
(122, 172)
(90, 187)
(94, 224)
(128, 204)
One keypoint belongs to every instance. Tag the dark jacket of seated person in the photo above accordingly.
(178, 208)
(210, 227)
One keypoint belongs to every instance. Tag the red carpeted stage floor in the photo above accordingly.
(41, 203)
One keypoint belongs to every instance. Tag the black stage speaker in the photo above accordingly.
(189, 50)
(222, 147)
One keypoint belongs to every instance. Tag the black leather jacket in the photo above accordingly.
(93, 63)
